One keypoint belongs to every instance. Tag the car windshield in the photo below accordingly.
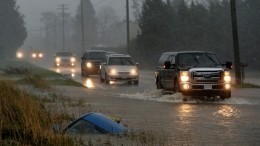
(95, 55)
(198, 60)
(64, 54)
(120, 61)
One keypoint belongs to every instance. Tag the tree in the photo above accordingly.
(90, 26)
(12, 30)
(156, 22)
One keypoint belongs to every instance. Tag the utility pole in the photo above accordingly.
(82, 26)
(235, 42)
(127, 26)
(63, 8)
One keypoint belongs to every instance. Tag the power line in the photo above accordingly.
(63, 8)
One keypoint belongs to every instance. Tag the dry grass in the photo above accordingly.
(38, 81)
(25, 121)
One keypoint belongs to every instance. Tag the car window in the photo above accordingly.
(95, 55)
(162, 59)
(120, 61)
(172, 59)
(84, 127)
(198, 59)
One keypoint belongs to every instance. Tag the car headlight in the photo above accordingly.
(113, 72)
(34, 55)
(40, 55)
(184, 76)
(57, 59)
(227, 77)
(72, 59)
(133, 72)
(89, 65)
(19, 55)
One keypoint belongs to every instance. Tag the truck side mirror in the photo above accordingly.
(137, 64)
(229, 65)
(167, 64)
(82, 58)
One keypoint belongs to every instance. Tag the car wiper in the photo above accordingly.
(196, 61)
(212, 59)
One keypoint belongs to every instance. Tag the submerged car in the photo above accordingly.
(95, 123)
(64, 59)
(91, 61)
(119, 67)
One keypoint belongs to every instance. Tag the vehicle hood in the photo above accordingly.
(121, 68)
(206, 69)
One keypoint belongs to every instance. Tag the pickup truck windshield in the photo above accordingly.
(120, 61)
(198, 60)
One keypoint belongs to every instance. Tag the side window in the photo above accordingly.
(162, 59)
(85, 55)
(172, 59)
(84, 127)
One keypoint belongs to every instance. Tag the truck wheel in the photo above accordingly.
(158, 83)
(176, 87)
(226, 94)
(136, 83)
(106, 80)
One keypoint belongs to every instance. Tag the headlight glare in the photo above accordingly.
(113, 72)
(89, 65)
(227, 77)
(72, 59)
(133, 72)
(57, 59)
(184, 76)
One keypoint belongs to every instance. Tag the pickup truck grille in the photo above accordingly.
(206, 76)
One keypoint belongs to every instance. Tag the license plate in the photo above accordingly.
(208, 87)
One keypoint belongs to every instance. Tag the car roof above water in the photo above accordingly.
(182, 52)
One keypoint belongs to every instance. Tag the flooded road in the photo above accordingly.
(234, 121)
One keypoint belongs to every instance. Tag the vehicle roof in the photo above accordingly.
(118, 55)
(105, 123)
(94, 51)
(63, 52)
(180, 52)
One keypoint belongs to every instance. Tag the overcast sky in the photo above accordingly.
(32, 9)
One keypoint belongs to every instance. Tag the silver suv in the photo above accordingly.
(119, 67)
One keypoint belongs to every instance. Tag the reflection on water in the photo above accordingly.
(89, 83)
(227, 111)
(185, 113)
(58, 70)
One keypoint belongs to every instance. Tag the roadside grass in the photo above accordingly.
(24, 120)
(31, 74)
(65, 82)
(246, 85)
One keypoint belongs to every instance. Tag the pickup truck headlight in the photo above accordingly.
(19, 55)
(72, 59)
(227, 77)
(184, 76)
(57, 59)
(89, 65)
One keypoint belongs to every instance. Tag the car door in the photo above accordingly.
(161, 70)
(171, 72)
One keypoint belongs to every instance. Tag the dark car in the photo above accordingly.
(194, 73)
(95, 123)
(91, 61)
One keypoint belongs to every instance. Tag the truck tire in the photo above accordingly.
(158, 83)
(176, 87)
(226, 94)
(106, 80)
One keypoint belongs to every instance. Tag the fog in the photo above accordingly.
(33, 9)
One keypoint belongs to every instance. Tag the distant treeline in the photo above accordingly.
(176, 25)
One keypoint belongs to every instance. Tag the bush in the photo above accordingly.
(24, 120)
